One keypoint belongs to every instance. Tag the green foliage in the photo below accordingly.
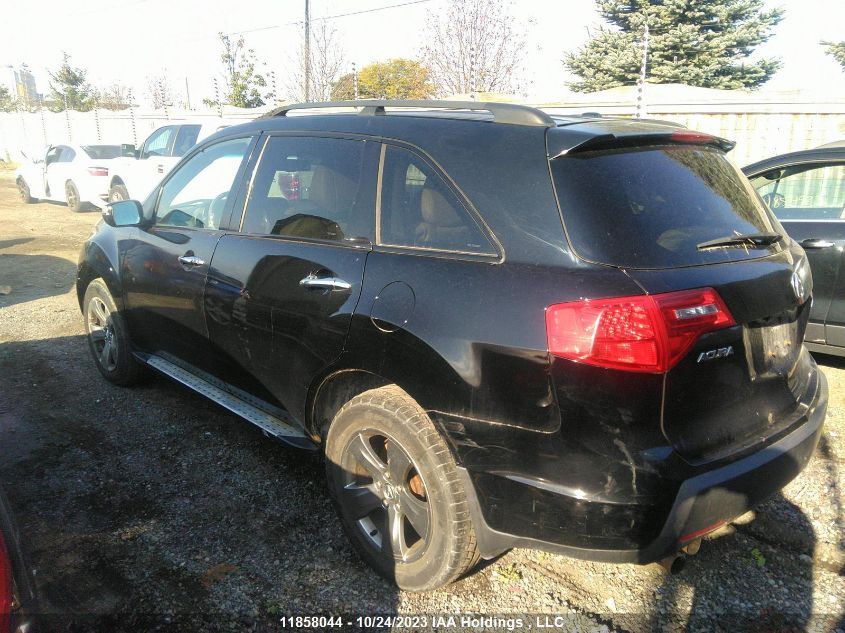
(69, 89)
(7, 104)
(837, 51)
(694, 42)
(393, 79)
(758, 557)
(242, 82)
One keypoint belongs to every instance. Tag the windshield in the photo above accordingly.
(652, 207)
(102, 152)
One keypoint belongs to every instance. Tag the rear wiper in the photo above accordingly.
(748, 239)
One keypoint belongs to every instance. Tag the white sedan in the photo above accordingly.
(75, 174)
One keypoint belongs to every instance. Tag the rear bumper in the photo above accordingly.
(702, 503)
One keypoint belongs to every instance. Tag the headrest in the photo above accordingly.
(331, 190)
(436, 210)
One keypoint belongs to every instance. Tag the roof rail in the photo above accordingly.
(511, 113)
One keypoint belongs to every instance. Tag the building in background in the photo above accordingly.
(20, 82)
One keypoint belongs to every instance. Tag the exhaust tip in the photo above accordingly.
(673, 564)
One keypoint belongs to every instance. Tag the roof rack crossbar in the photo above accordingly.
(512, 113)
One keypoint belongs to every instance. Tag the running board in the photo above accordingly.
(272, 424)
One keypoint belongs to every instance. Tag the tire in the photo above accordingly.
(385, 431)
(108, 338)
(23, 192)
(118, 192)
(72, 197)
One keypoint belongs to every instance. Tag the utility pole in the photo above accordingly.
(187, 95)
(641, 83)
(355, 80)
(307, 52)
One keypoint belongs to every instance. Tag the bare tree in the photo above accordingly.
(474, 46)
(328, 59)
(114, 97)
(159, 91)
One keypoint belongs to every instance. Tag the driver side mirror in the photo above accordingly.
(123, 213)
(128, 150)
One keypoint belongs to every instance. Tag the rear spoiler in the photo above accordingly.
(620, 141)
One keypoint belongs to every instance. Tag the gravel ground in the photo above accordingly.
(153, 508)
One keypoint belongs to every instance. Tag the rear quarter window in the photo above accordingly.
(651, 207)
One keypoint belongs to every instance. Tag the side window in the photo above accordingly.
(195, 195)
(312, 187)
(186, 138)
(804, 192)
(67, 155)
(157, 143)
(418, 209)
(52, 155)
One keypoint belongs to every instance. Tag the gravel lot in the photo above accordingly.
(153, 508)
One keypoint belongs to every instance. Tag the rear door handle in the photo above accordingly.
(815, 242)
(324, 283)
(190, 260)
(161, 169)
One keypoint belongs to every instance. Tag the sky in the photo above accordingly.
(131, 40)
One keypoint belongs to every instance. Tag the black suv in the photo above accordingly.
(502, 327)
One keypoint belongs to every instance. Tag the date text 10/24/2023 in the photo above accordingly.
(415, 622)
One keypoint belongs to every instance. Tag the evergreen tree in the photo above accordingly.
(7, 104)
(694, 42)
(837, 51)
(68, 88)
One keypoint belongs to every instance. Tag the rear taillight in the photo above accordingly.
(646, 333)
(5, 586)
(98, 171)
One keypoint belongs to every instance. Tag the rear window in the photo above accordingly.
(102, 152)
(651, 207)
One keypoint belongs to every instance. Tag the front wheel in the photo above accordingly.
(108, 338)
(397, 491)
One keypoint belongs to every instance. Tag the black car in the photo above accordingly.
(18, 598)
(502, 328)
(806, 191)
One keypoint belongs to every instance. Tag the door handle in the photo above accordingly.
(324, 283)
(161, 169)
(815, 242)
(190, 260)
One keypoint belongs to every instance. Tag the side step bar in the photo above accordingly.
(214, 390)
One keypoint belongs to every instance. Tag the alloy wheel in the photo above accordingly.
(101, 331)
(385, 494)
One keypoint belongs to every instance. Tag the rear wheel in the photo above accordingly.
(118, 192)
(23, 192)
(72, 197)
(108, 338)
(397, 491)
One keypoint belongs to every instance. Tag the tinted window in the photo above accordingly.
(157, 143)
(67, 155)
(804, 192)
(650, 208)
(196, 194)
(102, 152)
(312, 187)
(418, 209)
(186, 138)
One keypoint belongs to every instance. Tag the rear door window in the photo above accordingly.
(186, 138)
(651, 207)
(419, 210)
(804, 192)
